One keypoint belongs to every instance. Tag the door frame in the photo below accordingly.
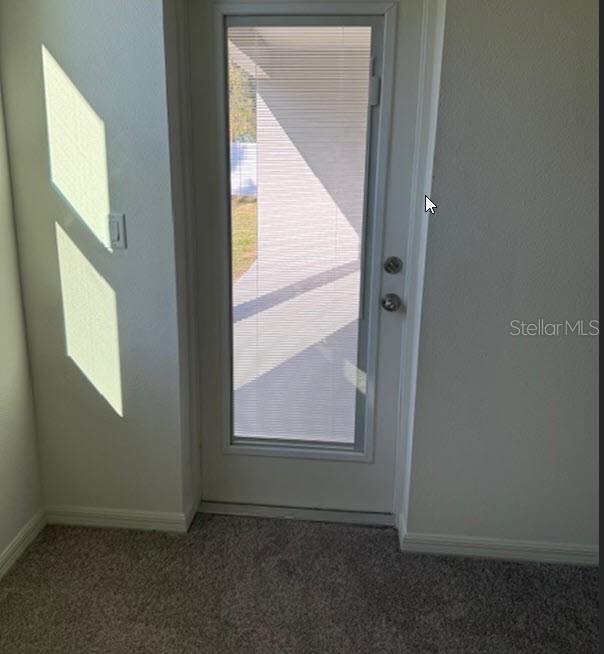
(379, 134)
(420, 27)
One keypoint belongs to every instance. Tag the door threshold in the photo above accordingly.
(293, 513)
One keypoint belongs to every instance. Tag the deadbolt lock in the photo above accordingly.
(393, 265)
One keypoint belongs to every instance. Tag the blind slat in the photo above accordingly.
(298, 111)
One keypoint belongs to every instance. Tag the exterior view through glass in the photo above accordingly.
(298, 121)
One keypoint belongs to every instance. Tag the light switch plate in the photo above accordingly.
(117, 231)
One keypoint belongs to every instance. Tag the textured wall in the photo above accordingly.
(102, 325)
(19, 478)
(506, 438)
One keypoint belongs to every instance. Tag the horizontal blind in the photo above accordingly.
(298, 108)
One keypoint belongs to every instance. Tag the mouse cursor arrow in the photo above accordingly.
(429, 205)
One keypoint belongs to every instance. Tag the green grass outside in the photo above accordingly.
(244, 234)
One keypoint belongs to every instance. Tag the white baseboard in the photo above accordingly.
(520, 550)
(401, 525)
(292, 513)
(191, 512)
(96, 517)
(21, 541)
(500, 548)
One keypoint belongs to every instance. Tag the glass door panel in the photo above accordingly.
(298, 109)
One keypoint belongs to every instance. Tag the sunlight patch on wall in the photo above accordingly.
(77, 149)
(90, 315)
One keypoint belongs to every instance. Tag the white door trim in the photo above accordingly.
(432, 36)
(180, 124)
(302, 7)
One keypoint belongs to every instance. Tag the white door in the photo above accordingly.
(310, 368)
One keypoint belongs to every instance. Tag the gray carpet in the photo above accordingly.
(262, 586)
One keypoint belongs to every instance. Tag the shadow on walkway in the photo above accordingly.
(264, 302)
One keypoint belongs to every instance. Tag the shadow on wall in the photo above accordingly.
(78, 169)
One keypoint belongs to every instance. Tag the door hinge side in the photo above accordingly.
(374, 84)
(374, 90)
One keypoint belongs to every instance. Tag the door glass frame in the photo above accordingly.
(362, 449)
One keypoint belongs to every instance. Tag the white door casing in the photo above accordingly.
(375, 482)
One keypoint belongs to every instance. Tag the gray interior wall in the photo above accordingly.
(113, 52)
(20, 498)
(506, 435)
(506, 428)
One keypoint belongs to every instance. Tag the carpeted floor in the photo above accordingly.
(260, 586)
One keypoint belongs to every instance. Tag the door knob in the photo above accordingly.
(393, 265)
(391, 302)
